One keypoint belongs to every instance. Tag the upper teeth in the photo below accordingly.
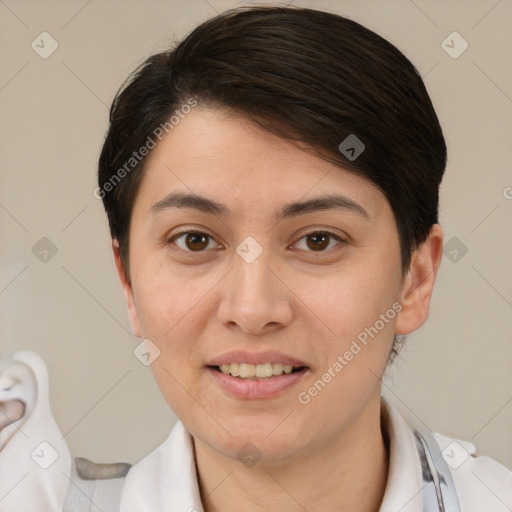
(246, 370)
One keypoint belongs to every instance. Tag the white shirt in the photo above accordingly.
(165, 480)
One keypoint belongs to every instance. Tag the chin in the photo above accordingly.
(260, 440)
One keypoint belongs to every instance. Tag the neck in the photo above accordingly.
(347, 473)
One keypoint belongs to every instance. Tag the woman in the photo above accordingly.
(271, 186)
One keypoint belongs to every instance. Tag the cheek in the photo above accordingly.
(346, 303)
(173, 307)
(162, 297)
(356, 311)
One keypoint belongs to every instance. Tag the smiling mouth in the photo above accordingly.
(265, 371)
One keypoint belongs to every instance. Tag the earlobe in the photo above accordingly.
(419, 283)
(127, 290)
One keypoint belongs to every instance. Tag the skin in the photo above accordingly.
(305, 301)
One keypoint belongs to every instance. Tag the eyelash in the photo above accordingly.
(315, 232)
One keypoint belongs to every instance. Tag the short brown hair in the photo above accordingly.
(305, 75)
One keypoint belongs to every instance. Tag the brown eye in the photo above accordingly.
(196, 241)
(318, 241)
(192, 241)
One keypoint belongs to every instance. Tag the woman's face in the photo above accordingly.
(300, 284)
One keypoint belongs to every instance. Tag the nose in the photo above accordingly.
(254, 298)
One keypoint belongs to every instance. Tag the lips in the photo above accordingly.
(256, 389)
(238, 366)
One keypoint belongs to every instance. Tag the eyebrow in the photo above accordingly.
(206, 205)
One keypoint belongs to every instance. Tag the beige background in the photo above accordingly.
(456, 371)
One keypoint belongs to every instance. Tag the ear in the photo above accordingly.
(127, 290)
(419, 282)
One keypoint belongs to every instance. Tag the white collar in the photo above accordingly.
(404, 487)
(146, 491)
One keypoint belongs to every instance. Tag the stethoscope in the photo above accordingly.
(439, 493)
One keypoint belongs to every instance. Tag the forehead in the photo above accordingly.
(218, 155)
